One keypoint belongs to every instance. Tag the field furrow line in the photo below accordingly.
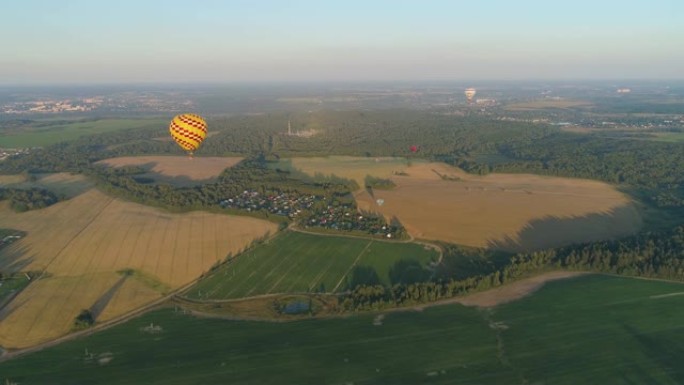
(95, 217)
(327, 252)
(266, 262)
(119, 250)
(322, 254)
(266, 276)
(45, 305)
(160, 251)
(322, 274)
(175, 251)
(358, 257)
(298, 262)
(243, 280)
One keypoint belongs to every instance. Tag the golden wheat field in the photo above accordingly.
(177, 170)
(82, 243)
(513, 212)
(349, 167)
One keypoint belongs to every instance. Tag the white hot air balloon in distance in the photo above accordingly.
(470, 94)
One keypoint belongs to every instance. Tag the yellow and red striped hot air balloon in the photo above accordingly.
(188, 130)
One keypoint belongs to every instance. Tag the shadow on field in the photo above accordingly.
(13, 258)
(554, 231)
(407, 271)
(102, 302)
(152, 177)
(10, 307)
(362, 275)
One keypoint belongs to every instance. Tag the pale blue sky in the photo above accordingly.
(66, 41)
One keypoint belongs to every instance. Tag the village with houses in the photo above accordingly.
(315, 211)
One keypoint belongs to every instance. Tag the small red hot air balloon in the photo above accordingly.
(414, 148)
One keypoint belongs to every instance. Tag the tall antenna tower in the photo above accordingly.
(289, 127)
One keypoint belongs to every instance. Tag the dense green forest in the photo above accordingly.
(29, 199)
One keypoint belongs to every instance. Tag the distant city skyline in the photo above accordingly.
(81, 42)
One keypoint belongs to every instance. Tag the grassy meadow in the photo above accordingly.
(596, 330)
(589, 330)
(296, 262)
(45, 133)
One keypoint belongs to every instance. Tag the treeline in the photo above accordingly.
(21, 200)
(651, 255)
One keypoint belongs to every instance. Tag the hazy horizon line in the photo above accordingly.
(333, 82)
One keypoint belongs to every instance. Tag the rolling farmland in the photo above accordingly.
(297, 262)
(82, 244)
(590, 330)
(515, 212)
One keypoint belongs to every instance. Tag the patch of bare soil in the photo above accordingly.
(514, 291)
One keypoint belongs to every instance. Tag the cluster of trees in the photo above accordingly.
(29, 199)
(372, 182)
(651, 255)
(84, 319)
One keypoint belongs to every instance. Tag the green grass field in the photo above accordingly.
(597, 330)
(589, 330)
(296, 262)
(44, 134)
(408, 348)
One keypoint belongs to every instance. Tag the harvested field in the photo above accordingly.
(349, 167)
(515, 212)
(177, 170)
(82, 243)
